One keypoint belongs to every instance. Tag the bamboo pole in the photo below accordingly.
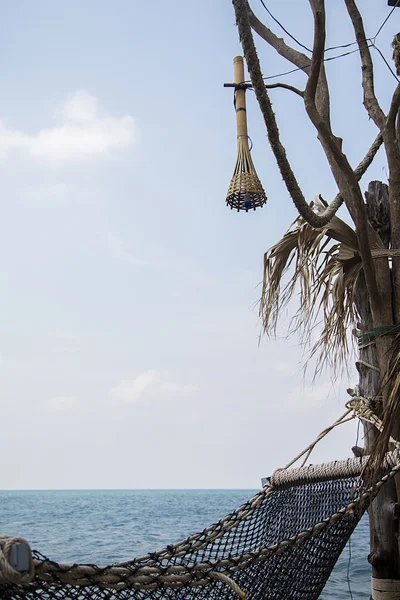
(240, 98)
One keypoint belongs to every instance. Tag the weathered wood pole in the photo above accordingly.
(384, 546)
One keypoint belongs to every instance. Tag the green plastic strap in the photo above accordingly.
(365, 339)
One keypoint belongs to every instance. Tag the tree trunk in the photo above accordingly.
(384, 547)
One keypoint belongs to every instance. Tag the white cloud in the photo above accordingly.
(133, 389)
(84, 133)
(119, 252)
(150, 384)
(81, 107)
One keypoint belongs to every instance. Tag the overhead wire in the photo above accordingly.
(341, 46)
(296, 40)
(386, 20)
(371, 41)
(307, 65)
(385, 61)
(333, 47)
(283, 28)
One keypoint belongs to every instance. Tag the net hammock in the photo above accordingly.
(282, 543)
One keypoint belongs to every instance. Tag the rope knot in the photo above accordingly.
(16, 562)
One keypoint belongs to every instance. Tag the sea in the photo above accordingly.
(108, 526)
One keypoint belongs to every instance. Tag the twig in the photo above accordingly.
(286, 86)
(246, 86)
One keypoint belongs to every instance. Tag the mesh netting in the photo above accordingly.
(281, 544)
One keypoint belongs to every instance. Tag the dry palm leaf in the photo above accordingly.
(326, 267)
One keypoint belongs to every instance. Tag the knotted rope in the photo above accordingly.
(7, 572)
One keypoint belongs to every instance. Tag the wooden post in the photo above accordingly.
(384, 547)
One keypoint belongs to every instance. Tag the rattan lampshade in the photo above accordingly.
(245, 190)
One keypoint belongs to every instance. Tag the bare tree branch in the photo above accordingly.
(370, 101)
(316, 62)
(286, 86)
(300, 60)
(388, 128)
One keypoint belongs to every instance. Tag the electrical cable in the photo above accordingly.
(385, 61)
(330, 49)
(386, 20)
(308, 65)
(283, 28)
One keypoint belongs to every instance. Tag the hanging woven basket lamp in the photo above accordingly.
(245, 190)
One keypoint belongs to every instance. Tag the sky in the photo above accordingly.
(130, 350)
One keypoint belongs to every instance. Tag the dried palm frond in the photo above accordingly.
(325, 270)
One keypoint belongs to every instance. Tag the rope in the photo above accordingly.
(378, 252)
(7, 572)
(362, 409)
(307, 451)
(339, 469)
(385, 589)
(367, 364)
(232, 584)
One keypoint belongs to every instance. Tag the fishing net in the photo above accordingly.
(283, 543)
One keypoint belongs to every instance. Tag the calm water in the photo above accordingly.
(104, 527)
